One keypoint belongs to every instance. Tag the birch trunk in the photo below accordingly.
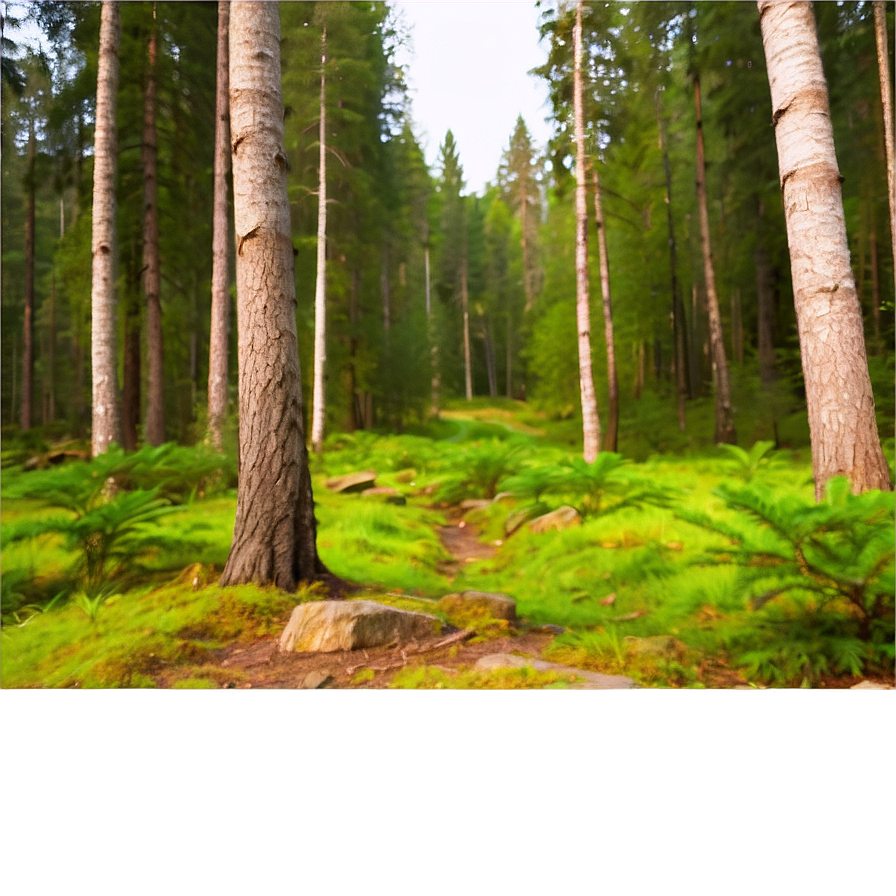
(842, 425)
(154, 429)
(886, 98)
(590, 420)
(724, 420)
(274, 537)
(103, 298)
(220, 317)
(318, 404)
(612, 432)
(28, 324)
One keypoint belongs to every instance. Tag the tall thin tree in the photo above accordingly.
(274, 537)
(103, 298)
(319, 397)
(840, 403)
(725, 431)
(154, 428)
(220, 315)
(611, 434)
(886, 99)
(590, 419)
(28, 322)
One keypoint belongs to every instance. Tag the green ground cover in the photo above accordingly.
(703, 568)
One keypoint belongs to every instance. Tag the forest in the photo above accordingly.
(624, 418)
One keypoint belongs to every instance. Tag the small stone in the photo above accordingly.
(591, 681)
(871, 686)
(352, 482)
(405, 476)
(498, 606)
(317, 679)
(562, 518)
(475, 504)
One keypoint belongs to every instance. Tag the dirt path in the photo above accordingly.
(462, 542)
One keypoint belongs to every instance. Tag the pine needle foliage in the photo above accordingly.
(826, 572)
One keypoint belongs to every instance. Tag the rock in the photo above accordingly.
(664, 646)
(389, 495)
(514, 520)
(475, 504)
(52, 459)
(562, 518)
(328, 625)
(498, 606)
(317, 679)
(871, 686)
(592, 681)
(405, 476)
(352, 482)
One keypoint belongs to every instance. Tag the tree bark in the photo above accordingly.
(886, 98)
(27, 408)
(220, 317)
(274, 538)
(611, 433)
(590, 419)
(154, 427)
(765, 315)
(319, 398)
(724, 421)
(103, 298)
(840, 403)
(679, 320)
(465, 308)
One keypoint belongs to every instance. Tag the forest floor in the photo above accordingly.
(261, 665)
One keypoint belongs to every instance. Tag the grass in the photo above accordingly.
(628, 586)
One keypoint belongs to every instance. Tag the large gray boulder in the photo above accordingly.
(562, 518)
(591, 681)
(328, 625)
(352, 482)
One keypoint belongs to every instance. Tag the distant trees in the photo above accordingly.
(842, 423)
(274, 538)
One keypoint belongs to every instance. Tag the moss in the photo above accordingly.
(436, 678)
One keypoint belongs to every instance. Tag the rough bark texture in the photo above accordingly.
(103, 299)
(724, 420)
(465, 308)
(590, 420)
(28, 324)
(154, 428)
(886, 98)
(612, 430)
(220, 319)
(765, 311)
(679, 320)
(842, 424)
(319, 396)
(274, 538)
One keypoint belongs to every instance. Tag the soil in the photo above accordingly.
(261, 665)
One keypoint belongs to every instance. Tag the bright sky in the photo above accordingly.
(468, 71)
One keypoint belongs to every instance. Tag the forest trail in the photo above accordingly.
(461, 541)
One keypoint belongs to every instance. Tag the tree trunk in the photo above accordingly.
(590, 419)
(220, 318)
(274, 538)
(319, 398)
(886, 98)
(508, 357)
(103, 298)
(386, 291)
(465, 308)
(612, 431)
(154, 428)
(724, 420)
(765, 315)
(131, 373)
(490, 359)
(524, 241)
(679, 320)
(737, 328)
(840, 403)
(28, 326)
(50, 381)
